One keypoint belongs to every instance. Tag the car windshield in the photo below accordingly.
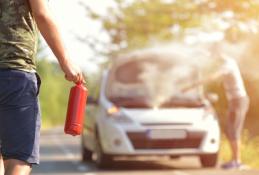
(153, 82)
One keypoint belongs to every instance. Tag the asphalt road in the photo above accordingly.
(60, 154)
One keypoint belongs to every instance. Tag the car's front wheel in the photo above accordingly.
(209, 160)
(102, 160)
(86, 153)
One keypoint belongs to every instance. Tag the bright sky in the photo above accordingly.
(73, 22)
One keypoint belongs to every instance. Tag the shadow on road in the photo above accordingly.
(146, 165)
(68, 167)
(55, 167)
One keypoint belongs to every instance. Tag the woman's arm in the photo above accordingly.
(208, 79)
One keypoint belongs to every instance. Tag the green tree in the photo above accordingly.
(137, 24)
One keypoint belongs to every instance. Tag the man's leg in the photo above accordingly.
(16, 167)
(1, 165)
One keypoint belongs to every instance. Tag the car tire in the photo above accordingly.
(174, 157)
(209, 160)
(102, 160)
(85, 153)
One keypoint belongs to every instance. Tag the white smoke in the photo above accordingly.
(163, 84)
(184, 65)
(167, 69)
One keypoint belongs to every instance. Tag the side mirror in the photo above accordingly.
(92, 101)
(212, 97)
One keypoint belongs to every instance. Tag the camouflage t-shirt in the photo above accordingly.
(18, 35)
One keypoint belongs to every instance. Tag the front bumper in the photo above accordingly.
(120, 139)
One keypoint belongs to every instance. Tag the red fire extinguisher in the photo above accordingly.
(76, 109)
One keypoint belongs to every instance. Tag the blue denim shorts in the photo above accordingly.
(20, 119)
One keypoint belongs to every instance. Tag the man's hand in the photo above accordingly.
(73, 73)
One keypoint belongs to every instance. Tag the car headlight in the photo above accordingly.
(117, 115)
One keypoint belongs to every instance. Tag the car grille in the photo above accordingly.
(140, 140)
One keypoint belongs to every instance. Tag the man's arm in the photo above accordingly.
(51, 34)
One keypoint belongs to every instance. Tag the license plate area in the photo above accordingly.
(166, 134)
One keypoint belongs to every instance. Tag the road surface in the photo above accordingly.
(60, 155)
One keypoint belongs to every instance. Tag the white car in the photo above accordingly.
(142, 112)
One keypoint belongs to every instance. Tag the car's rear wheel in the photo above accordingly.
(85, 153)
(209, 160)
(102, 160)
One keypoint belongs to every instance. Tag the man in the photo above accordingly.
(238, 102)
(19, 85)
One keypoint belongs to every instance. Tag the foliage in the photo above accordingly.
(137, 24)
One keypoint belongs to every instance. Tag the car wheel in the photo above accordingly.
(86, 153)
(102, 160)
(209, 160)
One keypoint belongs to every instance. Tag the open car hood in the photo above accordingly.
(177, 115)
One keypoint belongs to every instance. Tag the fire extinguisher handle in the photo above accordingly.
(80, 83)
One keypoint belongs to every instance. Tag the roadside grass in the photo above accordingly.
(249, 150)
(48, 124)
